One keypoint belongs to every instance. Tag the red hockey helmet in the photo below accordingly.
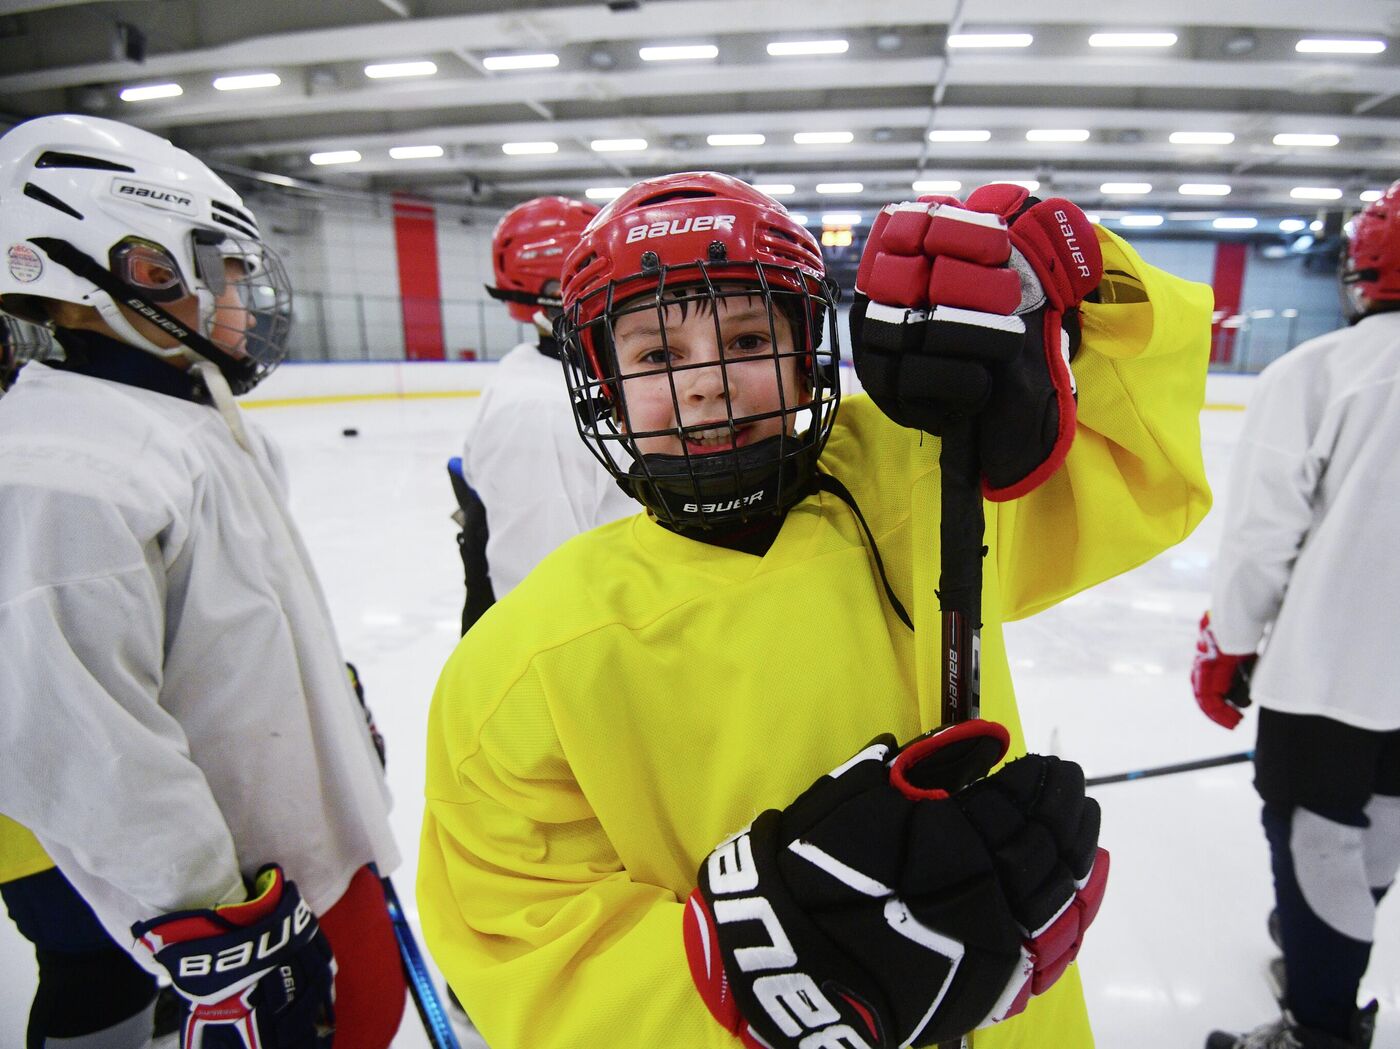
(528, 251)
(1371, 267)
(700, 237)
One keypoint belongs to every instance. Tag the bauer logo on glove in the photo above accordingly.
(903, 899)
(970, 312)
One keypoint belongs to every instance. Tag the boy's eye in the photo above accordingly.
(750, 342)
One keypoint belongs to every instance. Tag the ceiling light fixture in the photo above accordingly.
(336, 156)
(415, 152)
(496, 63)
(394, 70)
(246, 81)
(1292, 226)
(958, 135)
(823, 138)
(841, 218)
(1132, 39)
(604, 192)
(990, 40)
(782, 48)
(522, 149)
(1141, 221)
(1315, 193)
(1372, 194)
(776, 189)
(1203, 189)
(618, 145)
(1289, 139)
(151, 91)
(1339, 47)
(1234, 222)
(936, 185)
(840, 187)
(678, 52)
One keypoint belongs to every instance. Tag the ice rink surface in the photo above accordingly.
(1180, 946)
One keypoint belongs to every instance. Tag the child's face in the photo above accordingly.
(762, 376)
(231, 321)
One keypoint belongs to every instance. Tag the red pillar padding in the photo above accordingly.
(420, 288)
(1228, 283)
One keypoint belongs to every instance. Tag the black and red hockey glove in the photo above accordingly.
(1220, 680)
(253, 975)
(971, 310)
(903, 899)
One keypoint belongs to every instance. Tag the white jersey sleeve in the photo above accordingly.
(1307, 561)
(537, 479)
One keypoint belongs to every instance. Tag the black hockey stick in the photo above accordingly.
(960, 528)
(1170, 770)
(420, 983)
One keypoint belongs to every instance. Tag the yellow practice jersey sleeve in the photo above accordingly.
(641, 696)
(20, 852)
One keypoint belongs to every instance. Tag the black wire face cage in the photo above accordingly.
(251, 312)
(631, 405)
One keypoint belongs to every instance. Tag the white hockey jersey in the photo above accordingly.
(1311, 546)
(176, 711)
(538, 480)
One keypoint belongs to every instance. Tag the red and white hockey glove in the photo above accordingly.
(903, 899)
(1220, 680)
(254, 975)
(969, 310)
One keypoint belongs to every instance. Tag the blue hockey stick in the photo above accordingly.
(420, 983)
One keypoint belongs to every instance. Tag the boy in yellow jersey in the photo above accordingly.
(621, 846)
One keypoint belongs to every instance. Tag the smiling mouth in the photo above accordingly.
(714, 437)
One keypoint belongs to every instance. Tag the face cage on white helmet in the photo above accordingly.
(740, 484)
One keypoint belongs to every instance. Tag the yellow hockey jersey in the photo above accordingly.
(641, 696)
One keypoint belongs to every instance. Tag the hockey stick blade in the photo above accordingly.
(1171, 770)
(420, 984)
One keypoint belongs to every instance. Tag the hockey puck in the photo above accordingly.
(350, 431)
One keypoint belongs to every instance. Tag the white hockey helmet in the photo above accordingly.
(90, 208)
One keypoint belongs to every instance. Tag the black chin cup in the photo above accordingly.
(725, 488)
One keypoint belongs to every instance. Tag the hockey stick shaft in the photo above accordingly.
(960, 527)
(420, 982)
(1171, 770)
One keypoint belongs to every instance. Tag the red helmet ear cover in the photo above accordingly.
(530, 244)
(1373, 249)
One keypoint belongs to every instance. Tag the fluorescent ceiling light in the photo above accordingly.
(245, 81)
(390, 70)
(840, 187)
(415, 152)
(990, 40)
(1141, 221)
(1057, 135)
(1339, 47)
(604, 192)
(1025, 183)
(958, 135)
(1292, 226)
(618, 145)
(521, 149)
(776, 189)
(1372, 194)
(1305, 140)
(150, 91)
(1201, 138)
(1315, 193)
(678, 52)
(823, 138)
(495, 63)
(1203, 189)
(1234, 222)
(937, 185)
(1132, 39)
(336, 156)
(1315, 225)
(841, 218)
(808, 47)
(1126, 188)
(735, 140)
(799, 217)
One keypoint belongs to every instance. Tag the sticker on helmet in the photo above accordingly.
(26, 265)
(698, 224)
(154, 196)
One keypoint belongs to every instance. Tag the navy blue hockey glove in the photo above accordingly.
(906, 898)
(971, 310)
(253, 975)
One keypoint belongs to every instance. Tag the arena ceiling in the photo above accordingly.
(887, 103)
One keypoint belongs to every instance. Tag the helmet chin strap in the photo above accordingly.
(126, 331)
(222, 396)
(543, 323)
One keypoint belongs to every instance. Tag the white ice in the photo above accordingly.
(1180, 946)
